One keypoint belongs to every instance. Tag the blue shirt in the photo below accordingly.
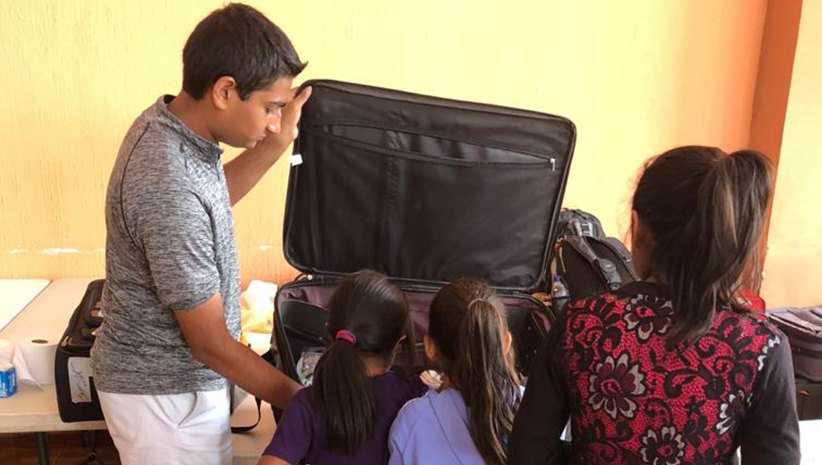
(433, 430)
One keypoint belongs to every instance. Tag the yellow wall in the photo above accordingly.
(636, 76)
(793, 270)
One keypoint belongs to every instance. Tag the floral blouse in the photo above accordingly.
(631, 400)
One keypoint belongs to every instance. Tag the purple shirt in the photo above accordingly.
(301, 432)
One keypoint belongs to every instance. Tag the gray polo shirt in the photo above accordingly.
(169, 247)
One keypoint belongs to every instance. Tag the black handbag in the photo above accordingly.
(76, 396)
(803, 326)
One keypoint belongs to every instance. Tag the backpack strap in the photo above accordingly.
(269, 357)
(606, 268)
(619, 249)
(245, 429)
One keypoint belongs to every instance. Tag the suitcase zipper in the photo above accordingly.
(542, 157)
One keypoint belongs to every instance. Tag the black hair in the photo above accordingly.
(240, 42)
(373, 310)
(467, 323)
(705, 210)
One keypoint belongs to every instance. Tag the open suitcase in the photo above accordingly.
(425, 190)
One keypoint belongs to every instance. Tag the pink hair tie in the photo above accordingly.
(346, 336)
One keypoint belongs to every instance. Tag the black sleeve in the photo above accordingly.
(543, 413)
(769, 433)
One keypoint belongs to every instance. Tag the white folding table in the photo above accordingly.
(34, 410)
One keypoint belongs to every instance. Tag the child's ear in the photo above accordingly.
(398, 345)
(221, 91)
(430, 348)
(507, 340)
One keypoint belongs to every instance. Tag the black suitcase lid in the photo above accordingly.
(424, 189)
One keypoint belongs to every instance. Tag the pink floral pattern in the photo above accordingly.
(636, 402)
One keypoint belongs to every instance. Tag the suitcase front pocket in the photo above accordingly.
(435, 147)
(399, 210)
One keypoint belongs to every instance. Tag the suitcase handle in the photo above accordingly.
(797, 321)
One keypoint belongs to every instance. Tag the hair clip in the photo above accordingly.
(480, 299)
(347, 336)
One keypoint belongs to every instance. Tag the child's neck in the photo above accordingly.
(375, 367)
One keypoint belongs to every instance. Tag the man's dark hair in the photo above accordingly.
(240, 42)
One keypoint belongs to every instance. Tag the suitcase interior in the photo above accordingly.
(300, 322)
(425, 190)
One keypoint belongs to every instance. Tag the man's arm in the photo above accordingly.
(204, 330)
(243, 172)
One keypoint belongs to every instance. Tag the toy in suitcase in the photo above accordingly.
(76, 397)
(424, 190)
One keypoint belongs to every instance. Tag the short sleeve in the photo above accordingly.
(292, 439)
(174, 228)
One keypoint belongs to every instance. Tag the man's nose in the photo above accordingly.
(274, 122)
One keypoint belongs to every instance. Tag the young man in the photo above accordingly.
(171, 301)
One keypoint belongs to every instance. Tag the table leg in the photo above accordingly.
(42, 448)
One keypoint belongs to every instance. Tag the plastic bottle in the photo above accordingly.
(559, 295)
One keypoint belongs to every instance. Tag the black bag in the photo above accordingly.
(803, 326)
(76, 396)
(425, 190)
(586, 260)
(808, 399)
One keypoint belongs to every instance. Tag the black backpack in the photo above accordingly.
(585, 260)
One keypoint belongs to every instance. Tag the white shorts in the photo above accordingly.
(177, 429)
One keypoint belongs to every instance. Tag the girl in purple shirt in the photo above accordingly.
(345, 416)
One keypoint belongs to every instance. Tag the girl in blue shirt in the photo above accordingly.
(468, 419)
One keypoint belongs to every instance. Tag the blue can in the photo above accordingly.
(8, 380)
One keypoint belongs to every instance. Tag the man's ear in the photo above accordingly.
(222, 90)
(430, 348)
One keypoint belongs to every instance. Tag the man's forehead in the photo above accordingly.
(278, 90)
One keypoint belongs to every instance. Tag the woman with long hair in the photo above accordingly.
(671, 369)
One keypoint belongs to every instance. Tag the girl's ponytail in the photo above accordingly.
(367, 318)
(705, 211)
(468, 326)
(343, 394)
